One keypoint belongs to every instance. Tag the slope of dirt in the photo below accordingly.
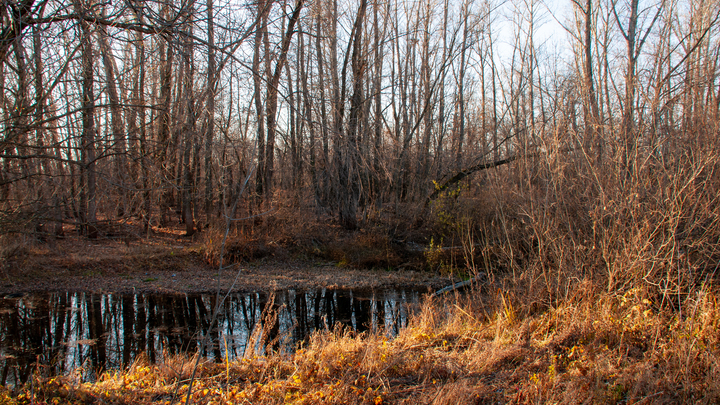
(169, 262)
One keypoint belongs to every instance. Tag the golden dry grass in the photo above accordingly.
(615, 349)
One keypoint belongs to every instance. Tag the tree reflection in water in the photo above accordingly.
(62, 332)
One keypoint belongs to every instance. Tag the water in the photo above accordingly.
(57, 333)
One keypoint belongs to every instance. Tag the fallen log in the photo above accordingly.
(461, 284)
(466, 172)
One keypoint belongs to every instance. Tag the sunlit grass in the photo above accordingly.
(608, 350)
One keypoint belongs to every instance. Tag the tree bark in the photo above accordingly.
(116, 123)
(88, 203)
(272, 98)
(210, 112)
(263, 8)
(348, 176)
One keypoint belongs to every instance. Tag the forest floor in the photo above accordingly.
(169, 262)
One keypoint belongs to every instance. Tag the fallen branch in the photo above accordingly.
(459, 176)
(461, 284)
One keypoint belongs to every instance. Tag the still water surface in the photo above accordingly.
(63, 332)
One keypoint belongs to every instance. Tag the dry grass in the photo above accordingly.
(613, 349)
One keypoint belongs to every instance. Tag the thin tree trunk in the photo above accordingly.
(41, 191)
(164, 129)
(377, 92)
(263, 8)
(117, 125)
(461, 89)
(210, 105)
(308, 117)
(88, 203)
(348, 176)
(325, 174)
(188, 195)
(272, 98)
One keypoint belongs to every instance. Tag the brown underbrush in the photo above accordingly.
(292, 231)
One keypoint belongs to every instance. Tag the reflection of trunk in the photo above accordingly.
(97, 333)
(380, 314)
(248, 312)
(141, 324)
(362, 312)
(151, 325)
(343, 310)
(317, 317)
(128, 322)
(59, 313)
(202, 311)
(184, 323)
(217, 339)
(270, 332)
(329, 309)
(302, 328)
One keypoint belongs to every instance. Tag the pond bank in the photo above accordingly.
(174, 264)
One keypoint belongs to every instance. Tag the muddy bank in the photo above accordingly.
(179, 265)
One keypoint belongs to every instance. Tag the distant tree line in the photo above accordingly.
(160, 110)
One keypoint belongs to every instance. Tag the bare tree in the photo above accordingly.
(349, 163)
(88, 202)
(272, 97)
(210, 90)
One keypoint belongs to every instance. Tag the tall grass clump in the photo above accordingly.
(565, 218)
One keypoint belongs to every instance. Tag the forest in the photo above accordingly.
(562, 155)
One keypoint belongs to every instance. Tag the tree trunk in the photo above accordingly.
(188, 195)
(88, 203)
(325, 173)
(117, 125)
(210, 113)
(263, 8)
(272, 98)
(348, 176)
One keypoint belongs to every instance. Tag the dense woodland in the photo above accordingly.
(565, 153)
(592, 146)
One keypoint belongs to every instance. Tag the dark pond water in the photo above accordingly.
(62, 332)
